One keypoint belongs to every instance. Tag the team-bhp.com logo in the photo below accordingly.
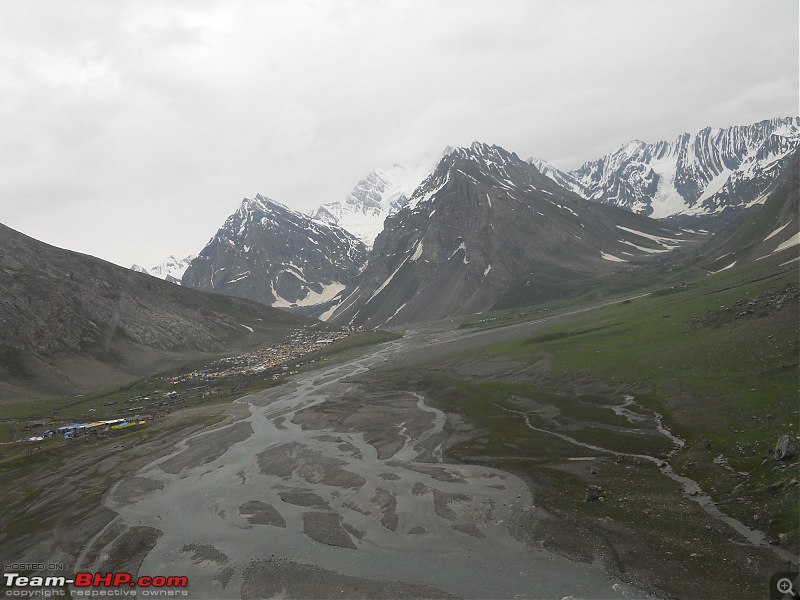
(21, 586)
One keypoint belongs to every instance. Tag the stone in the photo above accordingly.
(774, 487)
(594, 492)
(786, 448)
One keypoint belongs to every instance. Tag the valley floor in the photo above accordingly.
(438, 465)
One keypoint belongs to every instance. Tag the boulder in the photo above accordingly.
(774, 487)
(786, 448)
(594, 492)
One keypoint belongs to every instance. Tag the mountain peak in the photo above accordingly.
(491, 164)
(170, 269)
(479, 147)
(263, 203)
(698, 175)
(490, 153)
(634, 145)
(270, 253)
(362, 212)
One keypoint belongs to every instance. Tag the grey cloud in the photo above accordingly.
(159, 117)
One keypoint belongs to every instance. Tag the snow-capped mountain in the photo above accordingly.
(479, 224)
(170, 269)
(277, 256)
(363, 211)
(704, 174)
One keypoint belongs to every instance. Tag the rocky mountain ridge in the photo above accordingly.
(480, 221)
(702, 175)
(712, 173)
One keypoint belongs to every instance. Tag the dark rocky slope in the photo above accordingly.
(71, 322)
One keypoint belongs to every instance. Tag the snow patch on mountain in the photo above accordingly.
(388, 281)
(715, 185)
(417, 252)
(669, 243)
(730, 266)
(790, 243)
(401, 307)
(312, 298)
(667, 200)
(777, 231)
(643, 249)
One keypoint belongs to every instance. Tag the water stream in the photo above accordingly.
(691, 488)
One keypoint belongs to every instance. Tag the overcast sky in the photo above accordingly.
(131, 129)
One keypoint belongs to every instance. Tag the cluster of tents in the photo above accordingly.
(79, 429)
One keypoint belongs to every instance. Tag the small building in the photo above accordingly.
(74, 430)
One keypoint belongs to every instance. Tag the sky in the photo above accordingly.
(130, 130)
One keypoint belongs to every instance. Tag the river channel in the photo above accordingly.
(327, 488)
